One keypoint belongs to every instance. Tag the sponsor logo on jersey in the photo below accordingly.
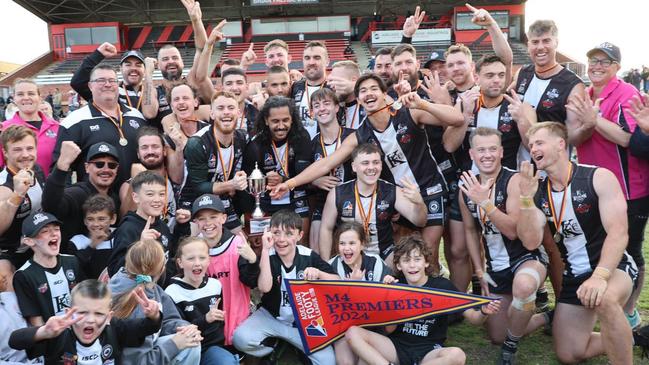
(583, 208)
(106, 352)
(189, 308)
(134, 124)
(348, 209)
(579, 196)
(94, 128)
(552, 93)
(382, 205)
(43, 288)
(433, 206)
(70, 275)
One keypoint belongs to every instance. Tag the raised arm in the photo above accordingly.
(318, 168)
(410, 204)
(202, 76)
(422, 111)
(81, 77)
(149, 93)
(531, 221)
(499, 42)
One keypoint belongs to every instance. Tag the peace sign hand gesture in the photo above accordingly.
(57, 324)
(437, 93)
(413, 22)
(217, 33)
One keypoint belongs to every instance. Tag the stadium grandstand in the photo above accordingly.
(350, 29)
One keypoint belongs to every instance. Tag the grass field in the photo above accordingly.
(535, 349)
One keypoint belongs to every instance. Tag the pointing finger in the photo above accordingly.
(252, 45)
(474, 10)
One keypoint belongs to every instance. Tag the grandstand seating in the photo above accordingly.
(335, 47)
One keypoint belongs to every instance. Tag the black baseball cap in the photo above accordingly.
(101, 149)
(611, 50)
(207, 201)
(132, 53)
(36, 221)
(435, 55)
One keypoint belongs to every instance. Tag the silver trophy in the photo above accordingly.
(257, 187)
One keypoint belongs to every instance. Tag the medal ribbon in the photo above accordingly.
(121, 120)
(283, 164)
(128, 98)
(354, 116)
(557, 222)
(483, 217)
(365, 217)
(228, 171)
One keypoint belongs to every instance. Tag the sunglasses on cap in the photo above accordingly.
(101, 164)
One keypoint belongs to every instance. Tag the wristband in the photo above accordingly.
(527, 202)
(488, 206)
(602, 273)
(290, 184)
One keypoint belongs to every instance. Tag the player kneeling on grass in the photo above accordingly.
(88, 333)
(419, 341)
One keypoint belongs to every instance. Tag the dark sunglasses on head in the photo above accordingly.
(101, 164)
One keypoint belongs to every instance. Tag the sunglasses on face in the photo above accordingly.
(101, 164)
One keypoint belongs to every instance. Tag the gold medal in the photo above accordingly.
(397, 105)
(123, 142)
(557, 237)
(558, 218)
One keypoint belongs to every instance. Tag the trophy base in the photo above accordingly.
(258, 225)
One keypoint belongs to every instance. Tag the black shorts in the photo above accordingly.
(436, 214)
(637, 212)
(453, 205)
(570, 284)
(410, 354)
(505, 278)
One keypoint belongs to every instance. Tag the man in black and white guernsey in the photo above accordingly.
(342, 79)
(490, 107)
(281, 149)
(546, 85)
(103, 120)
(214, 158)
(397, 129)
(371, 202)
(315, 60)
(584, 211)
(490, 208)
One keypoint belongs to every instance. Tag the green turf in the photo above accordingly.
(534, 349)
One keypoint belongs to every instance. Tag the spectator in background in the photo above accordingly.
(635, 78)
(437, 63)
(2, 109)
(645, 78)
(73, 101)
(28, 100)
(57, 98)
(50, 98)
(607, 115)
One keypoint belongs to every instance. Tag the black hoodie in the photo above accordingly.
(129, 231)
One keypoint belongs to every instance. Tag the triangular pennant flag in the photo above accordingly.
(325, 309)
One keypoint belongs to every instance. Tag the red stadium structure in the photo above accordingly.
(77, 27)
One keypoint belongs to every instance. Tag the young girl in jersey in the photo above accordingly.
(352, 263)
(178, 342)
(198, 298)
(418, 341)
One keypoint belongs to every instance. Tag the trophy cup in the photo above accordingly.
(257, 187)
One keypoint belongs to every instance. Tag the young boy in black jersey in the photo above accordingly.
(281, 258)
(83, 334)
(94, 248)
(419, 341)
(44, 282)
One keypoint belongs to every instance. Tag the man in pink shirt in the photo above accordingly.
(608, 114)
(28, 99)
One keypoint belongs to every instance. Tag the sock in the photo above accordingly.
(511, 343)
(475, 285)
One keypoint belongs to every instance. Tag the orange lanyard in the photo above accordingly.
(118, 126)
(557, 222)
(392, 112)
(283, 164)
(354, 116)
(31, 172)
(226, 172)
(165, 210)
(365, 217)
(483, 217)
(128, 98)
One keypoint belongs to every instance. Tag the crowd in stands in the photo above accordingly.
(125, 232)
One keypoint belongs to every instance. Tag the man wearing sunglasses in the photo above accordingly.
(103, 120)
(102, 162)
(608, 114)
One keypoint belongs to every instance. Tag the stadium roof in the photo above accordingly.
(164, 11)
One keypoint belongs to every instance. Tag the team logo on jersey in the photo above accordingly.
(395, 158)
(50, 133)
(521, 88)
(583, 208)
(268, 160)
(43, 288)
(348, 209)
(382, 205)
(300, 275)
(433, 206)
(506, 117)
(94, 128)
(545, 207)
(579, 196)
(134, 124)
(211, 162)
(70, 275)
(402, 129)
(500, 197)
(106, 352)
(552, 93)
